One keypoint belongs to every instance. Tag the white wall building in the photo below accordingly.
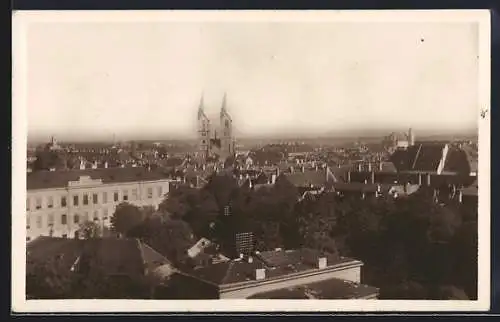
(59, 201)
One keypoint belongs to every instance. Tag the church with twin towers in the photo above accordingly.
(215, 141)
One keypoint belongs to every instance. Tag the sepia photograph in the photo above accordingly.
(292, 161)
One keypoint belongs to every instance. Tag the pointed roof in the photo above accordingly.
(223, 111)
(201, 112)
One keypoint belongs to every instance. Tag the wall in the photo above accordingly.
(349, 273)
(38, 220)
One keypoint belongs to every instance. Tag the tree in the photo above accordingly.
(126, 217)
(90, 229)
(170, 237)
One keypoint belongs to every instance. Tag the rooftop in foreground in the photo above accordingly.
(332, 289)
(276, 264)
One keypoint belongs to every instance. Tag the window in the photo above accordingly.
(75, 200)
(76, 218)
(64, 219)
(94, 198)
(125, 195)
(115, 197)
(134, 194)
(50, 202)
(85, 199)
(50, 220)
(38, 203)
(96, 215)
(85, 216)
(160, 191)
(150, 193)
(63, 201)
(104, 197)
(39, 222)
(27, 204)
(27, 222)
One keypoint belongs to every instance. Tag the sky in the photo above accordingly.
(145, 79)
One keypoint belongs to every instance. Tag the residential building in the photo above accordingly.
(283, 273)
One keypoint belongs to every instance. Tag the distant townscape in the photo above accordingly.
(395, 218)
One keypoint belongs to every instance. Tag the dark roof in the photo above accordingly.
(41, 249)
(362, 187)
(457, 161)
(113, 256)
(276, 263)
(316, 177)
(60, 179)
(331, 289)
(420, 157)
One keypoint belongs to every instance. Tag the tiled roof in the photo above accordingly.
(60, 179)
(111, 255)
(331, 289)
(114, 256)
(47, 248)
(316, 177)
(457, 161)
(276, 263)
(420, 157)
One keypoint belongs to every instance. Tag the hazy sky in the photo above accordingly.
(146, 79)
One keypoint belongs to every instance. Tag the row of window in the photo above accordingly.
(94, 198)
(63, 219)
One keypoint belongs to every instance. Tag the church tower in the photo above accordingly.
(226, 130)
(203, 131)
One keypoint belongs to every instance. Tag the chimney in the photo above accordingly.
(322, 262)
(260, 274)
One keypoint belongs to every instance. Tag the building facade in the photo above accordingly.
(59, 202)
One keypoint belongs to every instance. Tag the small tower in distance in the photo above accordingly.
(203, 130)
(411, 137)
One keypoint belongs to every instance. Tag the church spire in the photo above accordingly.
(223, 109)
(201, 112)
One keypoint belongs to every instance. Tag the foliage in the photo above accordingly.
(170, 237)
(90, 229)
(126, 217)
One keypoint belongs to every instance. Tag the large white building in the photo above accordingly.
(59, 201)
